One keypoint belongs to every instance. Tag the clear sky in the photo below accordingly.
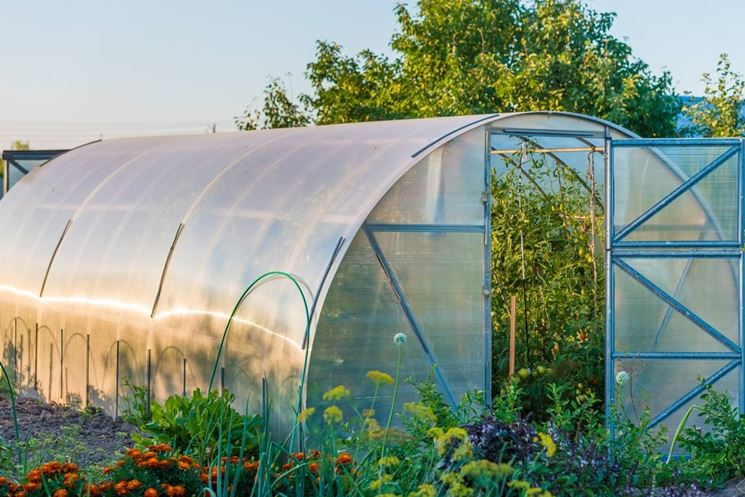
(77, 70)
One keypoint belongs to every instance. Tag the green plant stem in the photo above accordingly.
(14, 411)
(395, 396)
(678, 431)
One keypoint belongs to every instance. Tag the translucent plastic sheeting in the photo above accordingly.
(644, 322)
(128, 255)
(643, 176)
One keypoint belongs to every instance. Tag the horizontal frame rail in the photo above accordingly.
(676, 355)
(426, 228)
(675, 142)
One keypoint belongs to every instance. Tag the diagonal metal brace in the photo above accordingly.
(410, 316)
(680, 190)
(685, 311)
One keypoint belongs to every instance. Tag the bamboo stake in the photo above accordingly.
(513, 331)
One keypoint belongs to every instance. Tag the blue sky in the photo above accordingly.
(74, 71)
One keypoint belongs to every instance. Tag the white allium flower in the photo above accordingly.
(399, 339)
(622, 377)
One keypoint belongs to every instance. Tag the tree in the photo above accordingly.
(720, 112)
(279, 110)
(455, 57)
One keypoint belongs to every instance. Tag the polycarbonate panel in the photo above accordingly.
(355, 335)
(442, 276)
(97, 228)
(708, 287)
(445, 188)
(645, 175)
(645, 391)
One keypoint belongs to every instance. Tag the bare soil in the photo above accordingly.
(89, 437)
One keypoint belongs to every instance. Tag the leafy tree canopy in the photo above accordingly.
(455, 57)
(720, 112)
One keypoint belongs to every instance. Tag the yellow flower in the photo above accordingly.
(339, 392)
(389, 461)
(547, 442)
(483, 472)
(529, 490)
(458, 489)
(305, 414)
(444, 440)
(425, 490)
(420, 411)
(332, 414)
(379, 377)
(464, 451)
(385, 478)
(368, 413)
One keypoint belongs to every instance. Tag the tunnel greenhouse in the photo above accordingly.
(124, 261)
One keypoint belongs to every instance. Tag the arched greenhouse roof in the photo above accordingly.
(149, 238)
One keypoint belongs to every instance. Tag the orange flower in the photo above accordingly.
(151, 492)
(89, 489)
(251, 466)
(51, 468)
(121, 488)
(106, 470)
(315, 453)
(204, 477)
(20, 493)
(178, 491)
(70, 479)
(34, 476)
(133, 453)
(299, 456)
(149, 454)
(30, 487)
(183, 466)
(133, 485)
(313, 467)
(344, 458)
(59, 493)
(160, 448)
(70, 468)
(287, 466)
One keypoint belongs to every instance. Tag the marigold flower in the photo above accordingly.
(30, 487)
(251, 466)
(299, 456)
(333, 414)
(339, 392)
(151, 492)
(134, 484)
(183, 466)
(161, 448)
(379, 377)
(344, 458)
(305, 414)
(314, 467)
(33, 476)
(132, 453)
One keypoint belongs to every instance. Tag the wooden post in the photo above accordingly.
(513, 331)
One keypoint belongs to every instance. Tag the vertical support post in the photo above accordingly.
(36, 358)
(488, 350)
(741, 234)
(513, 333)
(87, 370)
(609, 321)
(222, 379)
(149, 387)
(116, 384)
(62, 364)
(183, 379)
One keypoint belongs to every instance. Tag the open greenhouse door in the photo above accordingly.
(674, 258)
